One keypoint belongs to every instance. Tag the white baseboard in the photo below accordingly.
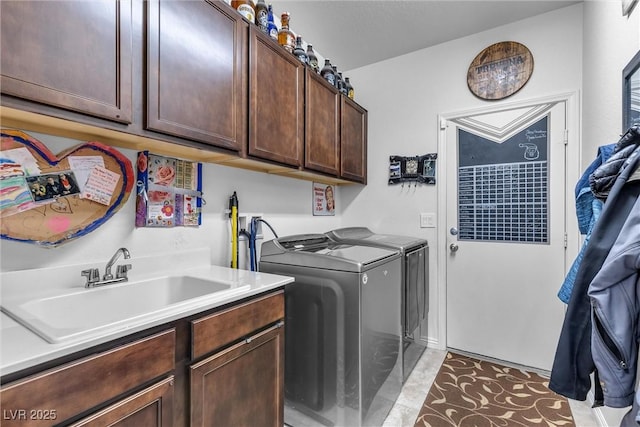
(614, 417)
(597, 412)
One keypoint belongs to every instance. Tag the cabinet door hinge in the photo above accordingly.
(443, 124)
(566, 137)
(566, 240)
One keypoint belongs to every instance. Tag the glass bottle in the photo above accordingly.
(245, 7)
(299, 52)
(286, 38)
(336, 81)
(350, 91)
(262, 13)
(272, 30)
(327, 73)
(342, 86)
(312, 59)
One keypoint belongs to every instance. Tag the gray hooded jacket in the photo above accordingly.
(615, 302)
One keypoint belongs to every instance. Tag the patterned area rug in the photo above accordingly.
(468, 392)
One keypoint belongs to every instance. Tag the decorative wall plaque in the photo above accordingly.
(500, 70)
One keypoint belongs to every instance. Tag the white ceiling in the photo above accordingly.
(355, 33)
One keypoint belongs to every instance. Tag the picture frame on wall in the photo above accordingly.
(631, 93)
(324, 201)
(627, 6)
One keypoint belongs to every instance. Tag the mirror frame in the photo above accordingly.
(633, 67)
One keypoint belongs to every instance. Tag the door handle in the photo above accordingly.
(453, 247)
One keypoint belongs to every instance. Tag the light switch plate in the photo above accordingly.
(427, 220)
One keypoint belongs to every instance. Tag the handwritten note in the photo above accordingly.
(100, 185)
(82, 167)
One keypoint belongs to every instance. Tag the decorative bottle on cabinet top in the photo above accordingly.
(245, 7)
(350, 91)
(272, 30)
(327, 73)
(299, 52)
(286, 38)
(342, 85)
(312, 59)
(336, 77)
(262, 13)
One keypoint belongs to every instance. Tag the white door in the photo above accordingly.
(506, 233)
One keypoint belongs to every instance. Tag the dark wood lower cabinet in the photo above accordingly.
(223, 367)
(242, 385)
(151, 407)
(65, 392)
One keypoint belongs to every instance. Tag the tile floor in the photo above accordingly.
(407, 406)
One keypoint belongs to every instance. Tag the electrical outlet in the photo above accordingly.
(427, 220)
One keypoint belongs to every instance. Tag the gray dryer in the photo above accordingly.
(415, 283)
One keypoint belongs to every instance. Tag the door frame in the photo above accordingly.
(573, 155)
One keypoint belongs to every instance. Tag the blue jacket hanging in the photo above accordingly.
(588, 209)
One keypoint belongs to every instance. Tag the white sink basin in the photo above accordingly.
(87, 313)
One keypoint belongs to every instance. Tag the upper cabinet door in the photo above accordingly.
(69, 54)
(322, 130)
(196, 72)
(353, 141)
(276, 107)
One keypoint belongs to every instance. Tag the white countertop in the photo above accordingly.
(20, 348)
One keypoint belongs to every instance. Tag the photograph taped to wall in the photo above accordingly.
(51, 186)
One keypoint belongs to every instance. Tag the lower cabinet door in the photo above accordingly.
(150, 407)
(242, 385)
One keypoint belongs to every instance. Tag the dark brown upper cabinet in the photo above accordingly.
(276, 101)
(74, 55)
(353, 141)
(196, 72)
(322, 120)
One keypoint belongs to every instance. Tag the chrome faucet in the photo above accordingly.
(93, 275)
(119, 272)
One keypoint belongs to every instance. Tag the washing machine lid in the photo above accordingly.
(364, 236)
(318, 251)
